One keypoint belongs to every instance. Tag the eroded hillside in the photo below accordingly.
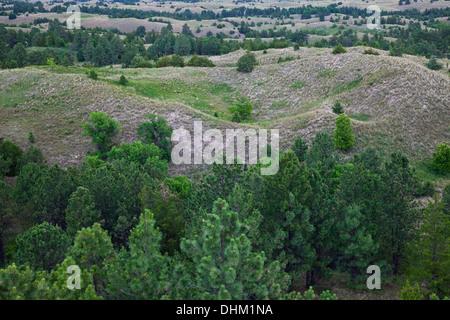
(395, 103)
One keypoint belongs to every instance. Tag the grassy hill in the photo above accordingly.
(395, 103)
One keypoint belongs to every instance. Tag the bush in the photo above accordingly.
(42, 247)
(339, 49)
(176, 61)
(51, 62)
(433, 64)
(33, 154)
(371, 51)
(242, 109)
(102, 129)
(285, 59)
(441, 157)
(396, 52)
(140, 62)
(197, 61)
(93, 75)
(163, 62)
(410, 293)
(343, 137)
(12, 154)
(123, 80)
(246, 63)
(236, 117)
(338, 108)
(31, 138)
(156, 131)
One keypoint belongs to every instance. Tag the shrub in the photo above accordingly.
(156, 131)
(246, 63)
(31, 138)
(396, 51)
(176, 61)
(371, 51)
(164, 61)
(12, 154)
(285, 59)
(433, 64)
(410, 293)
(140, 62)
(42, 247)
(93, 75)
(197, 61)
(51, 62)
(242, 109)
(102, 129)
(339, 49)
(441, 157)
(236, 117)
(123, 80)
(338, 108)
(343, 137)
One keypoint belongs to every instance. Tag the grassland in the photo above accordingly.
(395, 103)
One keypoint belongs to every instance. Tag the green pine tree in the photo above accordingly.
(343, 137)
